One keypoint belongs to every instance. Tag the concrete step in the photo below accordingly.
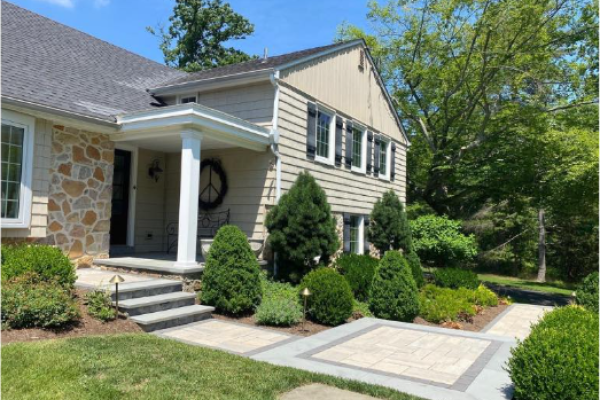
(134, 290)
(161, 302)
(174, 317)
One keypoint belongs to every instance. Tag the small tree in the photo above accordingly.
(389, 228)
(301, 227)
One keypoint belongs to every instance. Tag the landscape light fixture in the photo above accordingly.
(305, 294)
(116, 280)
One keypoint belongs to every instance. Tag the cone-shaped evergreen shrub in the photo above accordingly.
(394, 293)
(389, 228)
(301, 226)
(231, 280)
(330, 302)
(412, 258)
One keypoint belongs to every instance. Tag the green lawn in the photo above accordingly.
(548, 287)
(141, 366)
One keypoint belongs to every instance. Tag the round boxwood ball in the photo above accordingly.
(330, 301)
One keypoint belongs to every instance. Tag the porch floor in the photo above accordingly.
(158, 262)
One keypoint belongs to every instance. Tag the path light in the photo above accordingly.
(116, 280)
(305, 294)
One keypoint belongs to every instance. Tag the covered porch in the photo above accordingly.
(160, 192)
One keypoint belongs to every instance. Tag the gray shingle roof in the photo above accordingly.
(52, 65)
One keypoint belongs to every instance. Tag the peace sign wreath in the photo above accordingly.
(215, 195)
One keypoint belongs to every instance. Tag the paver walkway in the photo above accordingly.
(318, 391)
(516, 320)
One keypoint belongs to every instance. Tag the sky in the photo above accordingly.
(282, 26)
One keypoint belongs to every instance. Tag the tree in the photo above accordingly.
(389, 228)
(198, 28)
(301, 227)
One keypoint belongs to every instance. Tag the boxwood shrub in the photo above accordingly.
(279, 306)
(559, 359)
(414, 263)
(587, 293)
(455, 278)
(47, 262)
(358, 269)
(394, 294)
(231, 279)
(331, 301)
(37, 305)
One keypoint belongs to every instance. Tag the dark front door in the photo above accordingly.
(120, 197)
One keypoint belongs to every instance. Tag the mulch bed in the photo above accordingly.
(477, 323)
(86, 326)
(311, 327)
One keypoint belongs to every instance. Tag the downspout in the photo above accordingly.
(274, 77)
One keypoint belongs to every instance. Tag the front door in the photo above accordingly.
(120, 198)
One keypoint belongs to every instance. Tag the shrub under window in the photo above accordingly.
(47, 262)
(358, 271)
(331, 301)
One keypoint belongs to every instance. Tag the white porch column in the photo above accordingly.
(188, 198)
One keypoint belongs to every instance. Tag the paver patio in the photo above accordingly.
(92, 278)
(516, 321)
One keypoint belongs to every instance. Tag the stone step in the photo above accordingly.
(134, 290)
(161, 302)
(174, 317)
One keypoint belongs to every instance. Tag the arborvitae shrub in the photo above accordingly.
(330, 302)
(358, 269)
(394, 294)
(231, 279)
(389, 228)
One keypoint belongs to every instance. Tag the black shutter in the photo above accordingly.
(311, 131)
(339, 129)
(349, 144)
(393, 162)
(346, 233)
(367, 246)
(377, 156)
(369, 152)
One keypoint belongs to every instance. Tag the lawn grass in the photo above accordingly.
(141, 366)
(509, 281)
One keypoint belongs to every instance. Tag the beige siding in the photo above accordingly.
(346, 191)
(149, 211)
(251, 187)
(336, 81)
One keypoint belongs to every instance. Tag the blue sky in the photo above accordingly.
(280, 25)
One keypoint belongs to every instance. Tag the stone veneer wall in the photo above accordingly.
(79, 200)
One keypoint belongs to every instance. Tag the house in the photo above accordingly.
(102, 149)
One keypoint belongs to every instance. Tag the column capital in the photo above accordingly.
(191, 133)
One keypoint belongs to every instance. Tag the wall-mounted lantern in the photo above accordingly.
(155, 170)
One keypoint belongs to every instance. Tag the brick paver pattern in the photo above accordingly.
(517, 321)
(227, 336)
(416, 354)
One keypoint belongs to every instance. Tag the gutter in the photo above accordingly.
(275, 135)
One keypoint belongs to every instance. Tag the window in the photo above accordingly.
(187, 99)
(325, 137)
(384, 160)
(356, 234)
(359, 147)
(16, 158)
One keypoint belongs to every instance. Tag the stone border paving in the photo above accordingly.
(162, 333)
(508, 309)
(461, 384)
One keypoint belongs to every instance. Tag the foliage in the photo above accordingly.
(443, 304)
(99, 305)
(200, 28)
(559, 359)
(358, 269)
(394, 294)
(36, 305)
(279, 305)
(231, 279)
(455, 278)
(412, 258)
(47, 263)
(361, 309)
(331, 300)
(389, 228)
(439, 242)
(485, 297)
(301, 227)
(587, 294)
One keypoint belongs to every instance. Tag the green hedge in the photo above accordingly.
(559, 359)
(47, 262)
(231, 279)
(37, 305)
(358, 271)
(587, 293)
(331, 301)
(394, 294)
(455, 278)
(279, 305)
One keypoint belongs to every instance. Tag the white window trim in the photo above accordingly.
(330, 159)
(183, 96)
(363, 148)
(361, 233)
(28, 124)
(388, 158)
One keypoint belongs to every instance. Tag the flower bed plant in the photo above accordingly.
(444, 304)
(280, 305)
(99, 305)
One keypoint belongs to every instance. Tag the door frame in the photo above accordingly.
(133, 174)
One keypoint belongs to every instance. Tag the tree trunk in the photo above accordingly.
(541, 246)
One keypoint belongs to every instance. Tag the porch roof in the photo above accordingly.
(161, 128)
